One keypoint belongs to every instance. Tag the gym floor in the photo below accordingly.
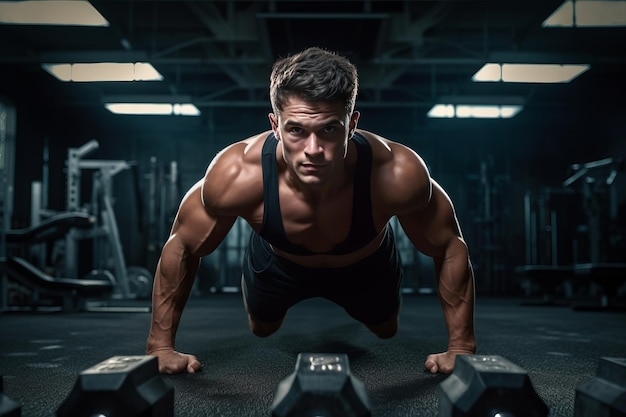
(43, 353)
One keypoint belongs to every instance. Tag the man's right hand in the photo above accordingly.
(173, 362)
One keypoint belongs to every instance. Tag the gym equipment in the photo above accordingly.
(572, 235)
(106, 247)
(8, 407)
(547, 280)
(52, 228)
(596, 182)
(486, 203)
(7, 173)
(603, 266)
(106, 240)
(220, 272)
(139, 282)
(321, 385)
(549, 219)
(95, 221)
(418, 269)
(609, 277)
(163, 199)
(120, 386)
(604, 395)
(488, 385)
(73, 293)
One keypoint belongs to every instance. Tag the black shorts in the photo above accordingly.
(369, 290)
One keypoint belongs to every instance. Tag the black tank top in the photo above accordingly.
(362, 229)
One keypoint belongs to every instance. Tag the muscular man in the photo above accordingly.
(318, 194)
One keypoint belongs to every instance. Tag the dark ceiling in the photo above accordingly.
(408, 52)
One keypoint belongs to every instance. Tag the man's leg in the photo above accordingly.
(370, 289)
(259, 328)
(387, 329)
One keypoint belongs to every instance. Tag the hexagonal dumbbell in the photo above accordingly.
(321, 385)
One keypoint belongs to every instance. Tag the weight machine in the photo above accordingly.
(572, 238)
(107, 257)
(487, 207)
(16, 273)
(604, 265)
(550, 218)
(163, 201)
(7, 168)
(596, 183)
(130, 282)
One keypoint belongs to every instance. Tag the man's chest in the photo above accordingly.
(312, 223)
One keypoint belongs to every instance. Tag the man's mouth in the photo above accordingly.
(307, 166)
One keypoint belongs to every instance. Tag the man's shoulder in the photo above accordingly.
(400, 178)
(234, 176)
(257, 140)
(241, 154)
(390, 152)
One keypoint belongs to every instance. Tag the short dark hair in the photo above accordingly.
(314, 74)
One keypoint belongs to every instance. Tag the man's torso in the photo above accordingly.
(318, 226)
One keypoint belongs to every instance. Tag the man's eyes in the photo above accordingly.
(325, 129)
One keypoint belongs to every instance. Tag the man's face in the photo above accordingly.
(314, 137)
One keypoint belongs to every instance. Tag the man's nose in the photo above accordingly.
(313, 146)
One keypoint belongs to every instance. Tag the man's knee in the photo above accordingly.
(259, 328)
(263, 329)
(387, 329)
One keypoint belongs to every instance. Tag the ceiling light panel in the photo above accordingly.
(51, 12)
(162, 109)
(475, 111)
(104, 72)
(529, 73)
(588, 13)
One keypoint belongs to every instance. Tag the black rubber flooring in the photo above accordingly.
(43, 353)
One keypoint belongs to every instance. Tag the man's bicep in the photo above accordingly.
(196, 229)
(434, 227)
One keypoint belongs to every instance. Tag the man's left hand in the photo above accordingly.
(443, 363)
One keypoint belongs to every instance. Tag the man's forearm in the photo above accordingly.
(172, 287)
(456, 294)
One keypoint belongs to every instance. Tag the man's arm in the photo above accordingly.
(195, 233)
(434, 231)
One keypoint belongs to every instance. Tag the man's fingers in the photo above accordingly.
(446, 369)
(175, 362)
(194, 366)
(440, 363)
(431, 365)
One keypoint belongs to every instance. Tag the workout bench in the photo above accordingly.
(73, 293)
(609, 277)
(548, 279)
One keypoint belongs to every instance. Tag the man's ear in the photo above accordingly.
(274, 124)
(354, 120)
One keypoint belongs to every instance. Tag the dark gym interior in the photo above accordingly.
(87, 197)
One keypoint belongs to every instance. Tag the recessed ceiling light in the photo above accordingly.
(51, 12)
(477, 107)
(153, 108)
(478, 111)
(588, 13)
(104, 71)
(529, 73)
